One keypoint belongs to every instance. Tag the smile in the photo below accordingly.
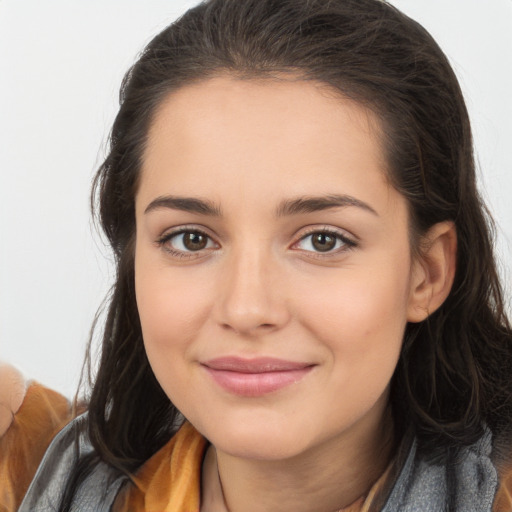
(255, 377)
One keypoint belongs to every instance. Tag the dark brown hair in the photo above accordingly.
(453, 376)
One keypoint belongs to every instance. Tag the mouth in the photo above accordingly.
(255, 377)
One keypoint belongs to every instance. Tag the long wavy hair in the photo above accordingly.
(454, 372)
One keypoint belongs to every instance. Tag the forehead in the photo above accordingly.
(278, 135)
(254, 106)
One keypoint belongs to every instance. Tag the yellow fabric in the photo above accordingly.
(170, 481)
(41, 415)
(503, 499)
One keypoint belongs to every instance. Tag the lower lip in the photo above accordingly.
(256, 384)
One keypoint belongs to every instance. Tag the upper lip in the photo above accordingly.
(254, 365)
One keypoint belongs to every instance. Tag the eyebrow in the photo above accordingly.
(305, 204)
(186, 204)
(309, 204)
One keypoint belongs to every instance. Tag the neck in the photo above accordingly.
(327, 478)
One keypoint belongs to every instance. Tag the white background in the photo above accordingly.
(61, 63)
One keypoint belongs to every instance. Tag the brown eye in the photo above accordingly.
(194, 241)
(186, 242)
(323, 242)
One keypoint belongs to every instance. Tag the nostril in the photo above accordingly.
(239, 331)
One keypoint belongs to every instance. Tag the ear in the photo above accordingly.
(433, 271)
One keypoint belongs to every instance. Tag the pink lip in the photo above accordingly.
(255, 377)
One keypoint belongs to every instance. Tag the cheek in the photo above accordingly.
(171, 311)
(168, 314)
(361, 318)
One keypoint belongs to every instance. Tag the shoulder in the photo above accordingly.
(476, 478)
(30, 416)
(68, 449)
(463, 479)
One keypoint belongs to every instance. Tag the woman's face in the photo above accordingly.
(272, 265)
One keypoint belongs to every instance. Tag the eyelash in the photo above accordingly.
(347, 243)
(167, 237)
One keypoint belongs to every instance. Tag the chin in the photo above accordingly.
(258, 440)
(258, 447)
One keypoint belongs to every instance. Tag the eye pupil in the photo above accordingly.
(323, 242)
(194, 241)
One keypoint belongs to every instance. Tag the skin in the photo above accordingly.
(261, 288)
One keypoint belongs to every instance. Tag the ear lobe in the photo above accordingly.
(433, 272)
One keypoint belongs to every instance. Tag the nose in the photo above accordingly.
(252, 297)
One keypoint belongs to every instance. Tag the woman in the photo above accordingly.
(307, 314)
